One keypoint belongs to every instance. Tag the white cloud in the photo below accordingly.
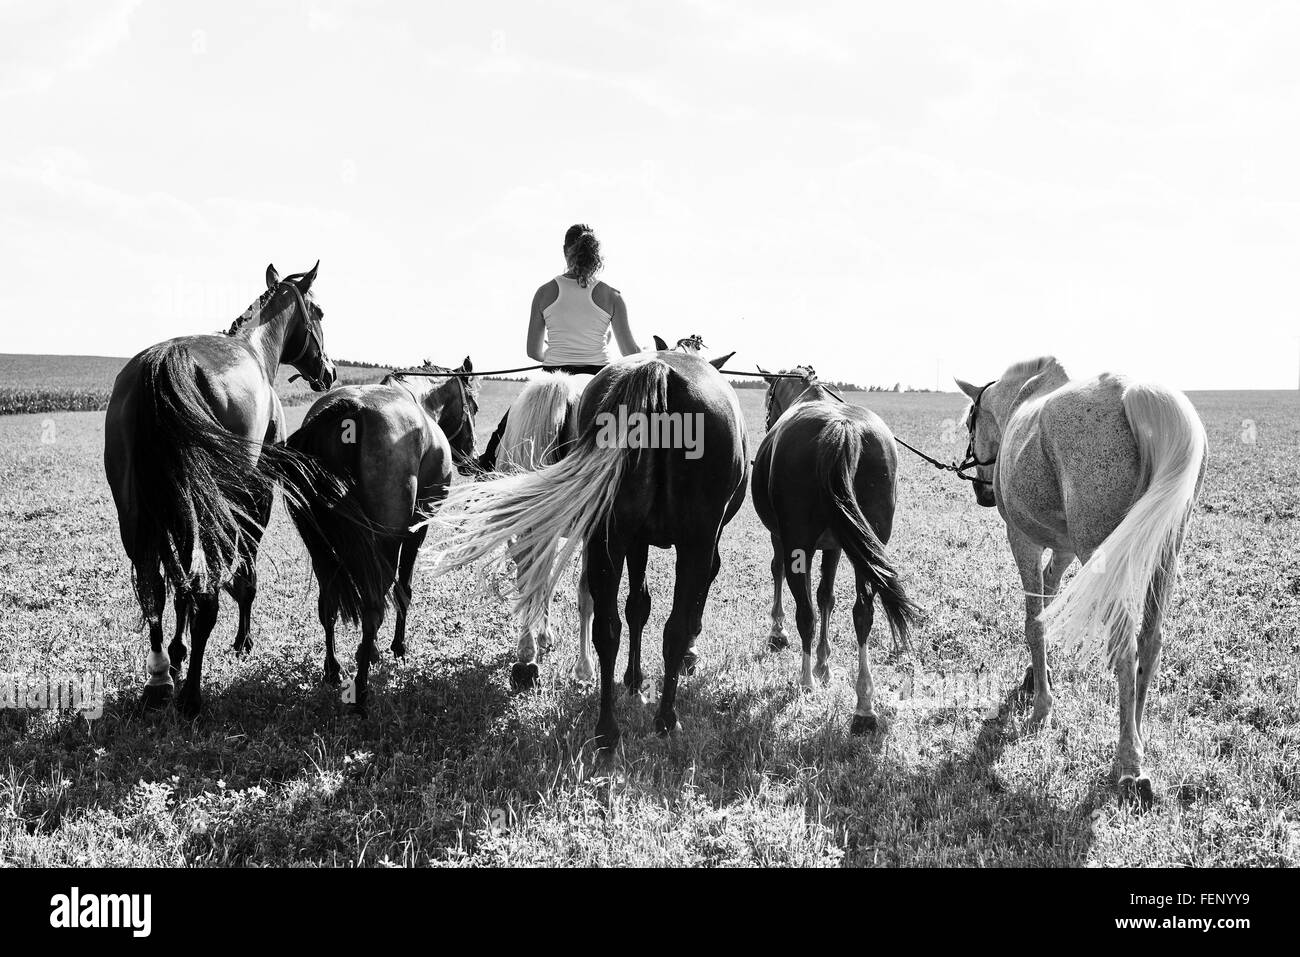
(42, 40)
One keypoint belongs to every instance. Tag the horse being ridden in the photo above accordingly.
(1108, 470)
(190, 451)
(391, 446)
(825, 477)
(541, 427)
(617, 493)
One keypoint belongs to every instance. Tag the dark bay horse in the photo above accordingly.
(661, 459)
(191, 452)
(391, 447)
(825, 477)
(1106, 469)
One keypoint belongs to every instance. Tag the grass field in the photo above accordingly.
(450, 768)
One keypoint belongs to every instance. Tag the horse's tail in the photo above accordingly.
(532, 435)
(566, 500)
(196, 484)
(355, 559)
(837, 462)
(1100, 607)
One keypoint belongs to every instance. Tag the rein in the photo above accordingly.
(970, 460)
(464, 375)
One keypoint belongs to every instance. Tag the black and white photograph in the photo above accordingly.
(681, 435)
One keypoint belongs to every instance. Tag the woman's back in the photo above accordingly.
(577, 328)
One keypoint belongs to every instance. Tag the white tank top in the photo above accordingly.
(577, 330)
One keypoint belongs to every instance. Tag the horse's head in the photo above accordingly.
(304, 342)
(454, 404)
(783, 388)
(984, 439)
(693, 345)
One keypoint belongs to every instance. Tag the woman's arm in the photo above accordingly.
(622, 330)
(536, 345)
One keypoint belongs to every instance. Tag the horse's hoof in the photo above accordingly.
(1137, 791)
(243, 646)
(156, 697)
(662, 729)
(607, 739)
(399, 649)
(583, 676)
(777, 642)
(524, 677)
(864, 724)
(374, 655)
(689, 662)
(823, 676)
(1041, 718)
(332, 678)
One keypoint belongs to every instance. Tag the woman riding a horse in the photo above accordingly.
(572, 321)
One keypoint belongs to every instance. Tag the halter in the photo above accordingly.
(310, 335)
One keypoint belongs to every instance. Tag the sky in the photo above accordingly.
(891, 192)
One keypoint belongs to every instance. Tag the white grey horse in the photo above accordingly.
(1108, 470)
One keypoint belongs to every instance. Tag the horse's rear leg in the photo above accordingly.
(696, 567)
(202, 621)
(243, 586)
(1056, 567)
(524, 674)
(637, 610)
(152, 593)
(327, 609)
(1133, 778)
(1129, 751)
(1149, 638)
(692, 657)
(778, 639)
(176, 650)
(405, 569)
(825, 608)
(1029, 560)
(865, 720)
(604, 569)
(797, 577)
(372, 617)
(584, 668)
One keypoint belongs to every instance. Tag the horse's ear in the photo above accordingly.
(660, 344)
(466, 365)
(309, 277)
(972, 391)
(721, 361)
(272, 275)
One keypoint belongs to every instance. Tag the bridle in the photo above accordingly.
(310, 336)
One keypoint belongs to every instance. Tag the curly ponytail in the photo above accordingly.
(582, 253)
